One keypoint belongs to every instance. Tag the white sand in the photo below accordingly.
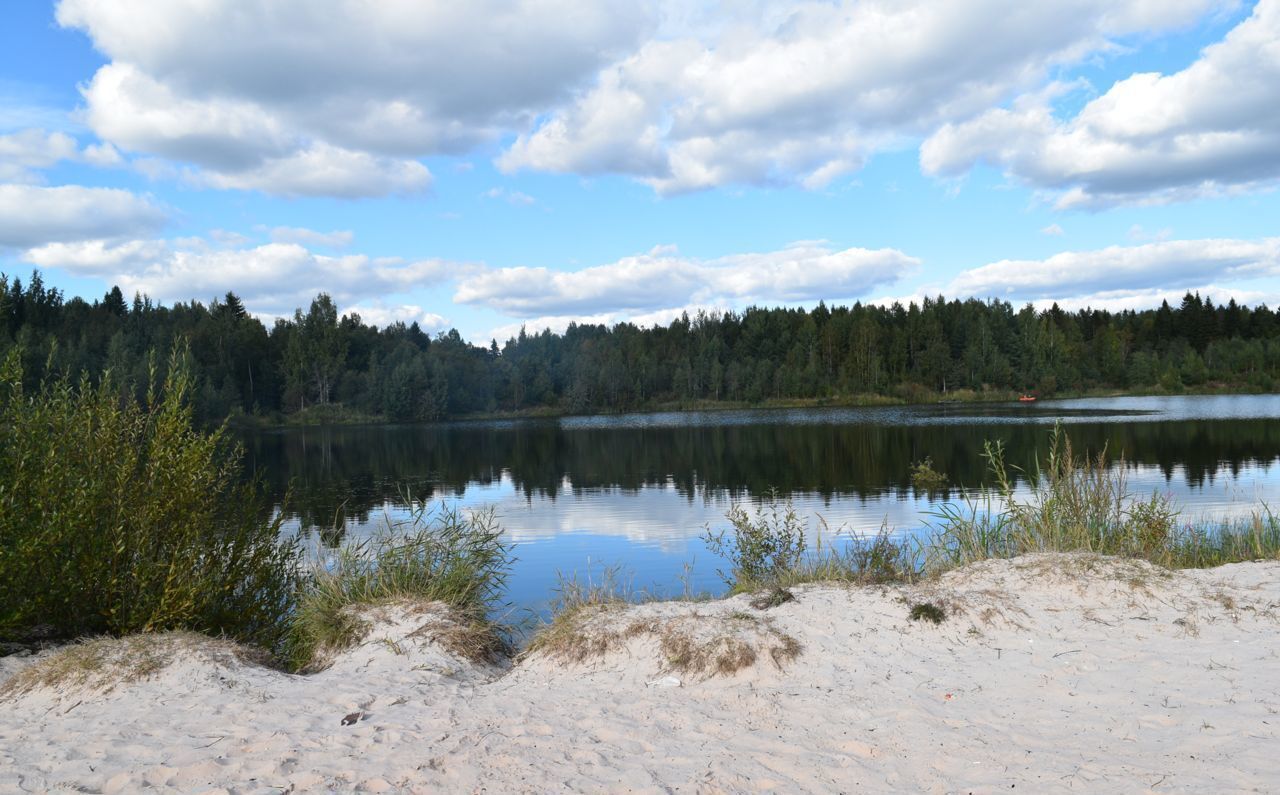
(1054, 673)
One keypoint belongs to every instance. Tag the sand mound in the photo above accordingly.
(112, 667)
(1048, 673)
(698, 639)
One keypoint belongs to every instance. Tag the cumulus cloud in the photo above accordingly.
(1121, 272)
(32, 215)
(25, 152)
(805, 92)
(1121, 300)
(1210, 129)
(1053, 230)
(558, 323)
(21, 153)
(662, 279)
(258, 94)
(272, 279)
(380, 314)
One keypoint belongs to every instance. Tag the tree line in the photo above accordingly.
(322, 361)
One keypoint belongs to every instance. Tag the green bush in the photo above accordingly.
(759, 550)
(435, 555)
(119, 517)
(925, 478)
(770, 551)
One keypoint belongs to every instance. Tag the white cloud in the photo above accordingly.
(310, 237)
(558, 323)
(34, 216)
(23, 154)
(1120, 271)
(789, 92)
(1120, 300)
(272, 279)
(1212, 128)
(1053, 230)
(661, 279)
(324, 170)
(377, 313)
(254, 93)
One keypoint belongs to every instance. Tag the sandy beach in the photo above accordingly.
(1050, 673)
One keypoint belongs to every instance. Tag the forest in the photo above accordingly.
(322, 365)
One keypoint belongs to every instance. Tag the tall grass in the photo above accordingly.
(120, 517)
(437, 554)
(770, 550)
(1083, 503)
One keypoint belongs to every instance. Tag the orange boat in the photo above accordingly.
(1027, 399)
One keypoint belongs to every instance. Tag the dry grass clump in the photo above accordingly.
(584, 623)
(105, 663)
(468, 638)
(724, 648)
(594, 620)
(696, 644)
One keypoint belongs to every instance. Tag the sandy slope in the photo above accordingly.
(1054, 673)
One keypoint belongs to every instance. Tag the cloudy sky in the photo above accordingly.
(488, 164)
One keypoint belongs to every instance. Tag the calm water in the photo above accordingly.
(636, 491)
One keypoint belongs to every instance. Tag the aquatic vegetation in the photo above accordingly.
(925, 477)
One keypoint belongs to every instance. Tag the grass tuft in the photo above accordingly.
(1079, 503)
(928, 611)
(436, 555)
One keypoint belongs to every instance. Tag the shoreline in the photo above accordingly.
(1050, 672)
(246, 422)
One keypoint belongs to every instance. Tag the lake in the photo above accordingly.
(636, 491)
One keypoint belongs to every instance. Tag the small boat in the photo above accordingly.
(1027, 399)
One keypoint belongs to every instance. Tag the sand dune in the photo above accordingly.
(1051, 673)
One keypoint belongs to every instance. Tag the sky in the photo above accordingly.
(490, 165)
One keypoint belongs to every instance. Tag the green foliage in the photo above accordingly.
(118, 516)
(436, 555)
(925, 477)
(928, 611)
(759, 550)
(842, 355)
(770, 552)
(1082, 503)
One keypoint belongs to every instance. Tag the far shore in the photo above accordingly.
(1047, 673)
(339, 415)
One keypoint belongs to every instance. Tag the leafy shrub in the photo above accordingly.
(119, 517)
(771, 552)
(925, 477)
(435, 555)
(759, 550)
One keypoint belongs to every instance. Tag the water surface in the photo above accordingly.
(636, 491)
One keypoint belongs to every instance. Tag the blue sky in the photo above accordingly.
(488, 165)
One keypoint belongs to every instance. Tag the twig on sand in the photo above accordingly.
(1070, 651)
